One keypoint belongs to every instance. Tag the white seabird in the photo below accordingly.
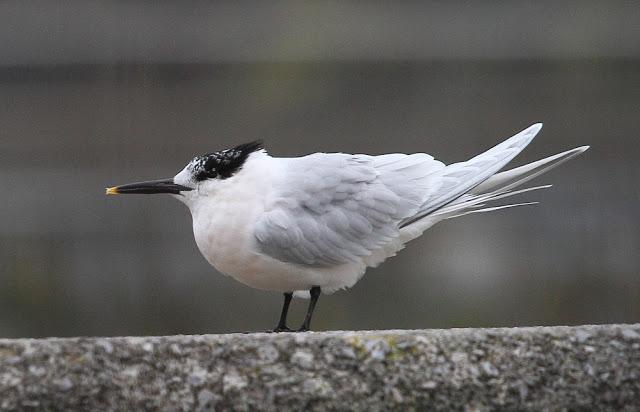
(315, 223)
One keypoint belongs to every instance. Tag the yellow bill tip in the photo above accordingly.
(112, 190)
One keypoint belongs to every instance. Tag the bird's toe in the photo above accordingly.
(282, 329)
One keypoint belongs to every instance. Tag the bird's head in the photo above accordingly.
(201, 176)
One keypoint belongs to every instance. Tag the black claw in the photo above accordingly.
(282, 329)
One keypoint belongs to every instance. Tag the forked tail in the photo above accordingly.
(502, 185)
(468, 186)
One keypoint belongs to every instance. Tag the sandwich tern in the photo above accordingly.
(315, 223)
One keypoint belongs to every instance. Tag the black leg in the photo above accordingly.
(282, 324)
(315, 294)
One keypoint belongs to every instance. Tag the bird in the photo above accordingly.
(313, 224)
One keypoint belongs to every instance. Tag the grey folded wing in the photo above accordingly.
(332, 209)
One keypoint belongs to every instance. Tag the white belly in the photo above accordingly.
(226, 241)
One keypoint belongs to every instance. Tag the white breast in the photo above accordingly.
(223, 213)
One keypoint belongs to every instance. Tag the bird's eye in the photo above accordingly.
(210, 165)
(206, 169)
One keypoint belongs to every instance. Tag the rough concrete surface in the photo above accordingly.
(541, 368)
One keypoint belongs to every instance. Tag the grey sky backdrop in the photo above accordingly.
(100, 93)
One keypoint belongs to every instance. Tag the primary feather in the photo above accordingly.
(459, 178)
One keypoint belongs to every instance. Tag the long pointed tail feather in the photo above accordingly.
(515, 177)
(474, 202)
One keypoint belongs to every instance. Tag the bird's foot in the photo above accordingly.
(282, 328)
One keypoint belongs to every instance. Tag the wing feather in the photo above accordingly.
(337, 208)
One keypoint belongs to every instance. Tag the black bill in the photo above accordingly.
(151, 187)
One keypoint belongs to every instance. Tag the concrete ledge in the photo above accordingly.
(585, 367)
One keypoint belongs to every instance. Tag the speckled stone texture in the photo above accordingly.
(545, 368)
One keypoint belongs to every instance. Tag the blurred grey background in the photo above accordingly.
(96, 93)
